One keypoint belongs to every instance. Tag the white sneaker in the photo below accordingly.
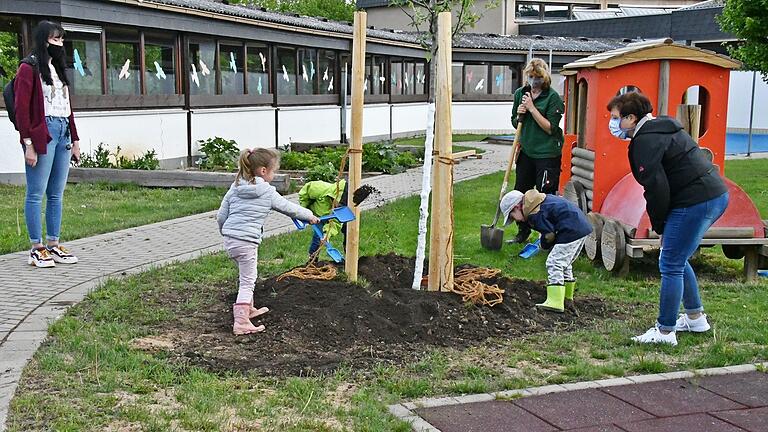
(62, 255)
(40, 258)
(698, 325)
(655, 336)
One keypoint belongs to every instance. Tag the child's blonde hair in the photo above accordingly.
(253, 159)
(538, 68)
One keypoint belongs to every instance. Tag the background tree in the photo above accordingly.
(423, 15)
(748, 20)
(339, 10)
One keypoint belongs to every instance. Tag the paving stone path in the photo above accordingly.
(28, 303)
(730, 399)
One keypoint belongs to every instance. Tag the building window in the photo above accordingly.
(504, 80)
(258, 69)
(122, 62)
(286, 71)
(307, 72)
(420, 81)
(377, 75)
(476, 77)
(556, 12)
(528, 11)
(10, 48)
(202, 68)
(326, 72)
(159, 64)
(409, 78)
(231, 66)
(457, 74)
(396, 80)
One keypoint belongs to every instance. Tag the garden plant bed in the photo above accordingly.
(317, 326)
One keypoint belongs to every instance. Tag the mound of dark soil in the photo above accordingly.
(315, 326)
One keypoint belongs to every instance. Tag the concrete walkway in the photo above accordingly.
(28, 304)
(728, 399)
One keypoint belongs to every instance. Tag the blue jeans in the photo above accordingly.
(683, 232)
(48, 177)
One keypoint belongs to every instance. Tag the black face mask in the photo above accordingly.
(56, 51)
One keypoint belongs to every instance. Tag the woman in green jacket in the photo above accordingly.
(541, 138)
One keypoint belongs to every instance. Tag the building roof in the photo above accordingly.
(705, 5)
(650, 50)
(344, 29)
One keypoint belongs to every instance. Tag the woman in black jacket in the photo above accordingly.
(684, 196)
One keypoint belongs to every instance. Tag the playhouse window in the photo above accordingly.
(581, 112)
(696, 95)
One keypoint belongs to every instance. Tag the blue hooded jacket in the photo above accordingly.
(556, 215)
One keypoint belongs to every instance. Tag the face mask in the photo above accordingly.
(616, 130)
(55, 51)
(535, 82)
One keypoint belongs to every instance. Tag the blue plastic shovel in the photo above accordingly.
(531, 249)
(342, 214)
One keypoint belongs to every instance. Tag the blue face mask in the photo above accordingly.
(616, 130)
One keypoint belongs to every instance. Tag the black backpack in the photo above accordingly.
(8, 92)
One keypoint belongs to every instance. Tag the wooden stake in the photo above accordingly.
(441, 244)
(663, 107)
(356, 144)
(690, 117)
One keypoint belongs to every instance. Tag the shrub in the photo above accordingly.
(376, 157)
(218, 153)
(99, 158)
(325, 172)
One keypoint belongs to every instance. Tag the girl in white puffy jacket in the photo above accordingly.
(241, 218)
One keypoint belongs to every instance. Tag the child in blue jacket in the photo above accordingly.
(563, 227)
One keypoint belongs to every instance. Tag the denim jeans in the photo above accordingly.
(684, 229)
(48, 177)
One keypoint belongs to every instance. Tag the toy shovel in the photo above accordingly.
(531, 249)
(342, 214)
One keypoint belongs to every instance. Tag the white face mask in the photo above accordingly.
(535, 82)
(614, 125)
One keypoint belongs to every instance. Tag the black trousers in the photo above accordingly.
(541, 174)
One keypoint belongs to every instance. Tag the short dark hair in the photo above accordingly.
(631, 103)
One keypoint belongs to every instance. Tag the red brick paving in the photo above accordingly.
(726, 403)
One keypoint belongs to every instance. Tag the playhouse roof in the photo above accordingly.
(660, 49)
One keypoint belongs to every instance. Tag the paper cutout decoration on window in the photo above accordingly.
(420, 77)
(285, 74)
(499, 80)
(195, 78)
(405, 79)
(470, 74)
(480, 84)
(232, 63)
(263, 62)
(325, 74)
(394, 78)
(258, 86)
(330, 85)
(124, 74)
(160, 73)
(365, 86)
(78, 63)
(304, 73)
(311, 69)
(382, 79)
(204, 69)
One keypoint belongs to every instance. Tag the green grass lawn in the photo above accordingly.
(88, 377)
(419, 141)
(91, 209)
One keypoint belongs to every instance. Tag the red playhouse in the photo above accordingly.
(680, 80)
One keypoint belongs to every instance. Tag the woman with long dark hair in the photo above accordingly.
(46, 126)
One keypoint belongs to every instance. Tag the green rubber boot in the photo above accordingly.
(555, 299)
(570, 287)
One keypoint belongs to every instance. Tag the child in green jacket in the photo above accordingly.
(318, 196)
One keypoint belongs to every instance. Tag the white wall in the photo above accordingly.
(482, 116)
(249, 127)
(739, 95)
(308, 124)
(12, 155)
(375, 121)
(409, 118)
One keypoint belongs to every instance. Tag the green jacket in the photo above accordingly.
(318, 196)
(534, 142)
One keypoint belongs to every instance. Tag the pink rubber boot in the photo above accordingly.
(243, 324)
(256, 312)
